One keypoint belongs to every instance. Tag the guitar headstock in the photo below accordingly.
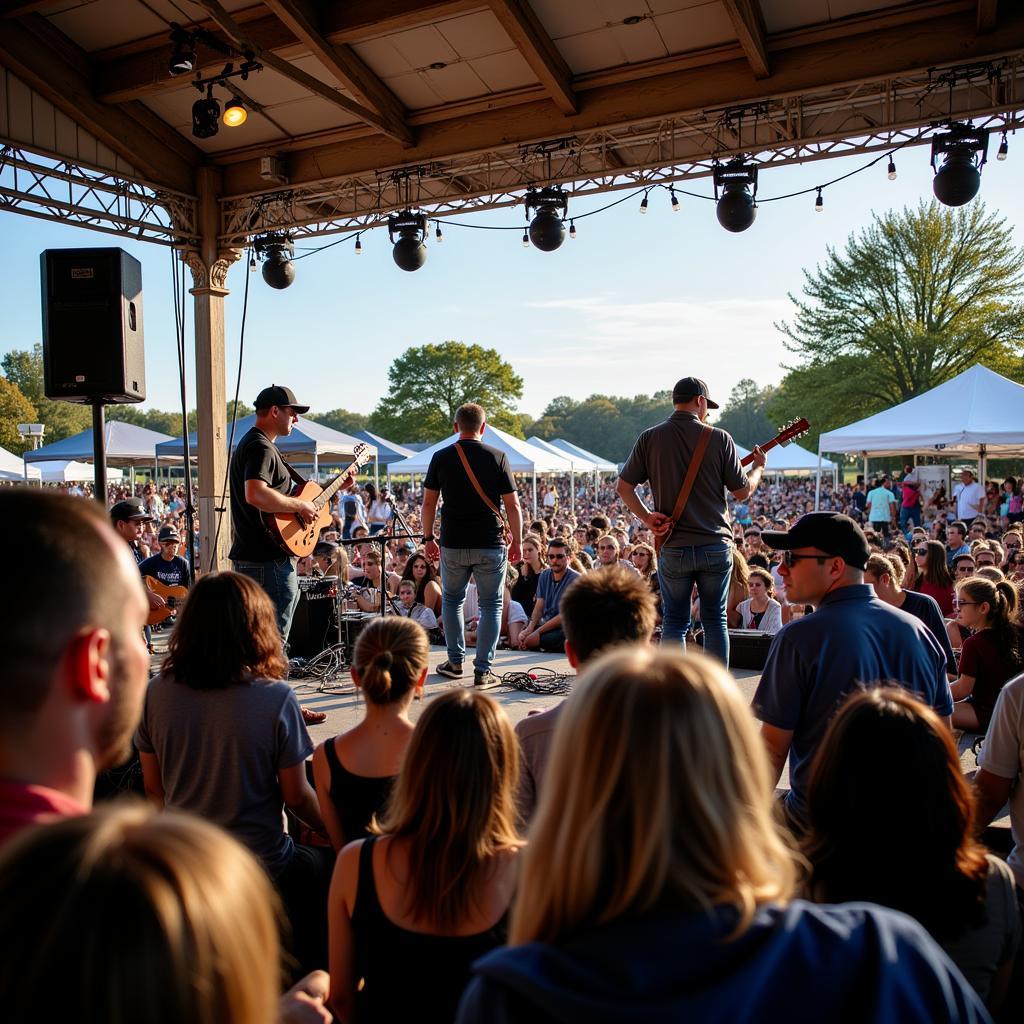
(361, 455)
(792, 430)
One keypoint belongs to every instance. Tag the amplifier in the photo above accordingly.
(748, 648)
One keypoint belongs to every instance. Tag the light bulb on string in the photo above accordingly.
(572, 229)
(891, 173)
(358, 246)
(526, 240)
(819, 203)
(1004, 148)
(252, 263)
(675, 200)
(438, 235)
(643, 204)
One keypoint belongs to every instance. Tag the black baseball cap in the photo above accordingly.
(277, 395)
(167, 533)
(130, 508)
(830, 532)
(690, 388)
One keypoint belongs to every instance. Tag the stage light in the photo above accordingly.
(819, 203)
(1004, 148)
(359, 246)
(183, 55)
(891, 173)
(547, 229)
(206, 116)
(964, 150)
(276, 250)
(572, 230)
(643, 204)
(675, 200)
(736, 208)
(438, 235)
(235, 113)
(409, 252)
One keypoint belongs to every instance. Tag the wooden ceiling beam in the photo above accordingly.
(748, 22)
(523, 26)
(907, 48)
(988, 15)
(47, 61)
(344, 64)
(139, 68)
(390, 126)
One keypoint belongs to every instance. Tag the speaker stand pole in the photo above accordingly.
(99, 453)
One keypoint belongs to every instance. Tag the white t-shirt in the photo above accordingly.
(970, 500)
(1002, 754)
(550, 499)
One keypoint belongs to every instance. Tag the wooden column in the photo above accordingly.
(210, 266)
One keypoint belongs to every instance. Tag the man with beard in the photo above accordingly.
(75, 662)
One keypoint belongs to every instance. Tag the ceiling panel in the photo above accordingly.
(381, 57)
(311, 115)
(422, 46)
(476, 35)
(562, 19)
(780, 15)
(639, 42)
(591, 51)
(502, 71)
(696, 27)
(413, 91)
(455, 82)
(104, 23)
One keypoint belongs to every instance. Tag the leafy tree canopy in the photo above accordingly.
(341, 419)
(745, 414)
(15, 408)
(24, 369)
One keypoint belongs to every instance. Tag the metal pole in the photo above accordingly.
(99, 453)
(817, 482)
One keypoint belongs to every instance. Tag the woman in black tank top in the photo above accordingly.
(415, 904)
(354, 772)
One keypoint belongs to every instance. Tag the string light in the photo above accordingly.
(359, 246)
(572, 229)
(1004, 148)
(643, 204)
(891, 174)
(438, 235)
(526, 240)
(819, 203)
(675, 200)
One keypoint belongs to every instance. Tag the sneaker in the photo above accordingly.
(485, 681)
(446, 668)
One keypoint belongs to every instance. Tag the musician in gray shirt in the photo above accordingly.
(697, 548)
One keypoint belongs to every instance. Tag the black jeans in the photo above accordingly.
(303, 886)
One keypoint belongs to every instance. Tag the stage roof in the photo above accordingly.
(367, 106)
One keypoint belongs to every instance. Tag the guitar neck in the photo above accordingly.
(766, 447)
(331, 489)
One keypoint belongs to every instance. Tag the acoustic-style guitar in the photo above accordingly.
(288, 530)
(174, 596)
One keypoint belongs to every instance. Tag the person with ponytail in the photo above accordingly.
(354, 772)
(991, 655)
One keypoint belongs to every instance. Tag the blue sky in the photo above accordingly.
(629, 307)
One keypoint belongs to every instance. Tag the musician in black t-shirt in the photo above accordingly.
(260, 482)
(472, 538)
(167, 565)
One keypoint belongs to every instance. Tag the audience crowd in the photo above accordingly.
(622, 856)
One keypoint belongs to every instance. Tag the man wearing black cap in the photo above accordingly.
(260, 482)
(167, 565)
(697, 546)
(127, 518)
(852, 639)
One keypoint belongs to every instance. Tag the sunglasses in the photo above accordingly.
(789, 558)
(559, 557)
(920, 551)
(965, 568)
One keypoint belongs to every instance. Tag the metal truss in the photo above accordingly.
(71, 193)
(862, 118)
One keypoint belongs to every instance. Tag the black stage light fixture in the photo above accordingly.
(183, 54)
(206, 116)
(276, 250)
(737, 180)
(409, 252)
(964, 150)
(547, 229)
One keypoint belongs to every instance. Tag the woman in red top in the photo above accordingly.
(992, 655)
(932, 574)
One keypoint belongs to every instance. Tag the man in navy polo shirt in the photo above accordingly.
(852, 639)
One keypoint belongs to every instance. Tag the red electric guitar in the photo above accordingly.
(289, 532)
(790, 432)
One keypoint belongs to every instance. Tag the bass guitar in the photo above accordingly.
(174, 596)
(288, 530)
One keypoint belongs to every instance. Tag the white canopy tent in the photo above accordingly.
(577, 464)
(791, 459)
(977, 414)
(72, 471)
(523, 457)
(600, 465)
(13, 468)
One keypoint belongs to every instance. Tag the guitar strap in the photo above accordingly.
(505, 529)
(688, 481)
(296, 479)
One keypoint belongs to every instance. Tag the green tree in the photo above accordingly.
(341, 419)
(745, 414)
(24, 369)
(916, 298)
(429, 383)
(15, 408)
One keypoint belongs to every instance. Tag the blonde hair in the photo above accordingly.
(658, 790)
(390, 656)
(454, 804)
(154, 918)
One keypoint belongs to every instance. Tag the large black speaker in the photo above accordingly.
(92, 325)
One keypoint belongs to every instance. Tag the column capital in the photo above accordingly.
(210, 280)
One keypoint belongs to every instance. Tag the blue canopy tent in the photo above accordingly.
(388, 452)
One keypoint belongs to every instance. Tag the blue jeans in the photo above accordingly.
(488, 567)
(279, 580)
(912, 514)
(710, 567)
